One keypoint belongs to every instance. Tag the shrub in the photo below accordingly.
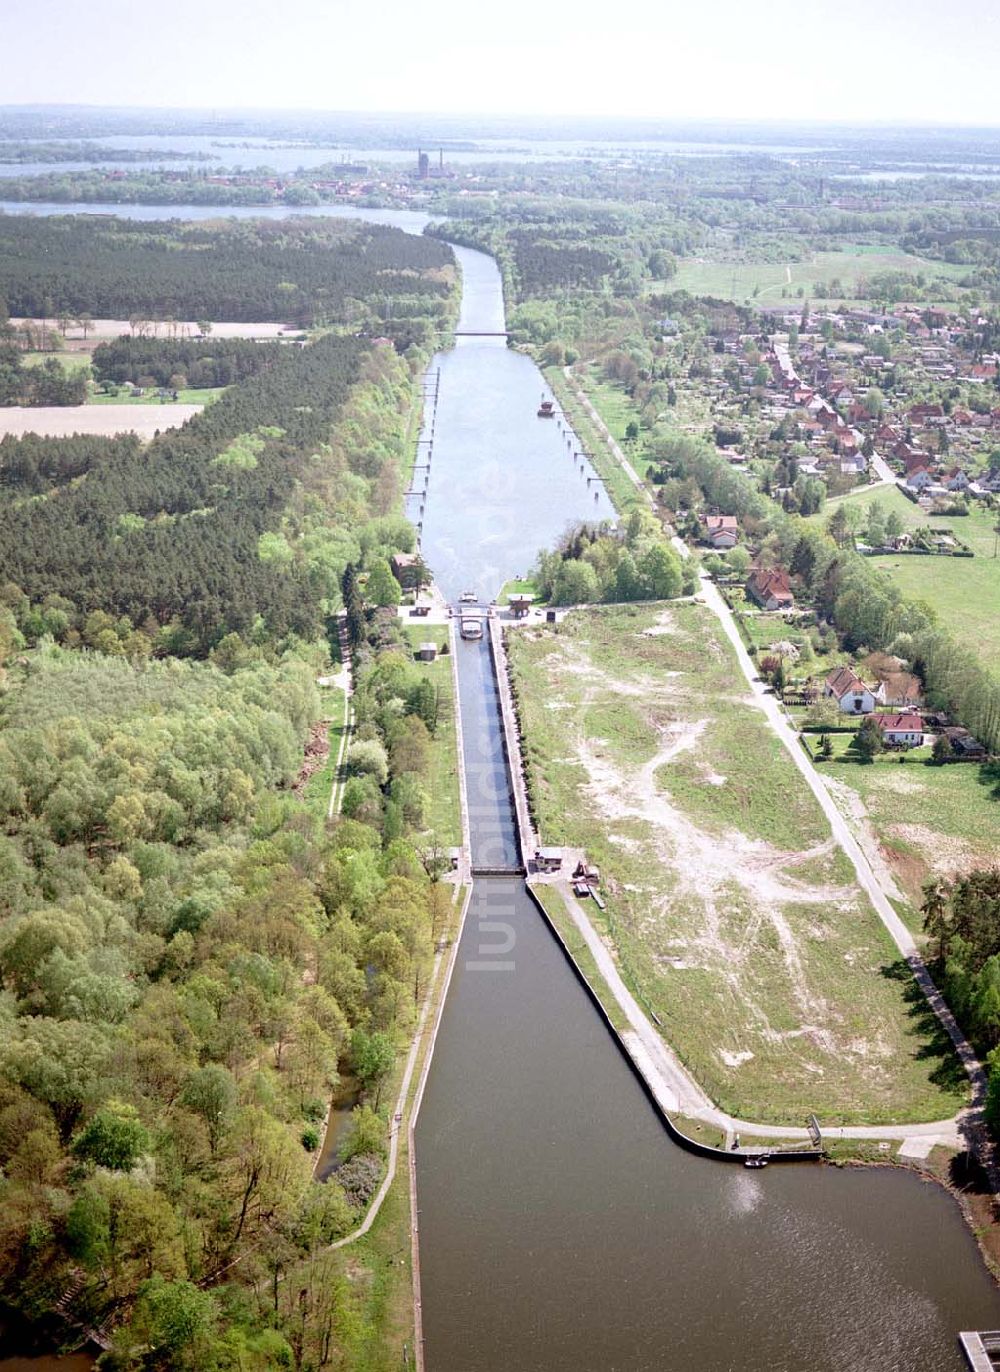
(359, 1178)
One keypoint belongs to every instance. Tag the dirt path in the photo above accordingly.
(709, 867)
(667, 1078)
(345, 681)
(966, 1123)
(867, 878)
(855, 813)
(605, 432)
(677, 1091)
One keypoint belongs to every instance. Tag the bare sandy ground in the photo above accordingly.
(61, 420)
(183, 329)
(112, 328)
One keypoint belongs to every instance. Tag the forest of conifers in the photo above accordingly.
(190, 958)
(214, 526)
(297, 270)
(171, 532)
(198, 362)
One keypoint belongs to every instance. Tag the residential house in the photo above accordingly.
(956, 479)
(919, 479)
(840, 393)
(915, 458)
(722, 531)
(849, 691)
(770, 588)
(901, 690)
(924, 414)
(901, 731)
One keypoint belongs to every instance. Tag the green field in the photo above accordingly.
(928, 820)
(620, 489)
(184, 397)
(964, 591)
(732, 912)
(520, 585)
(764, 281)
(70, 362)
(320, 784)
(891, 499)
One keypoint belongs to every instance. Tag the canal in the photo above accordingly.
(559, 1226)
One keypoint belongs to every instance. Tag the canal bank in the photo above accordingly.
(558, 1227)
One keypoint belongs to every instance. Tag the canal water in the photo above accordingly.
(560, 1228)
(502, 483)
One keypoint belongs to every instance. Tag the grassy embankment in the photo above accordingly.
(621, 491)
(732, 912)
(380, 1262)
(929, 820)
(444, 818)
(555, 908)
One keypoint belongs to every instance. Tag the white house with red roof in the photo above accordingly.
(901, 731)
(771, 588)
(722, 531)
(849, 691)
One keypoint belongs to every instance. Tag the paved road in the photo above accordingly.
(898, 931)
(886, 476)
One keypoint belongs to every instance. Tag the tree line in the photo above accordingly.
(593, 563)
(245, 516)
(43, 383)
(179, 362)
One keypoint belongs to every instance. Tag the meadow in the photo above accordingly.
(964, 592)
(730, 909)
(927, 820)
(764, 282)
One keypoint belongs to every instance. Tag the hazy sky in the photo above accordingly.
(915, 60)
